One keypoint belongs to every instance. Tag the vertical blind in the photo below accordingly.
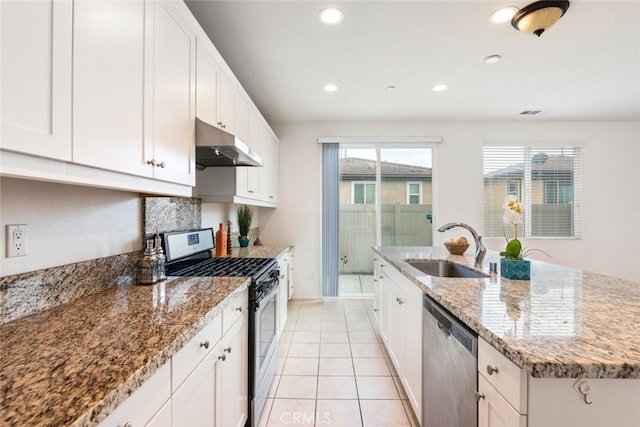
(546, 180)
(330, 218)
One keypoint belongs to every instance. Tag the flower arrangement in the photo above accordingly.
(513, 213)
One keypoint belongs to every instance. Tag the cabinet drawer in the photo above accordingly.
(145, 402)
(233, 309)
(494, 410)
(509, 380)
(412, 291)
(185, 360)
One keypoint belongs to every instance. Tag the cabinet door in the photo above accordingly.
(412, 376)
(143, 405)
(283, 266)
(269, 173)
(193, 404)
(290, 275)
(109, 86)
(225, 104)
(206, 86)
(162, 418)
(36, 77)
(494, 410)
(234, 371)
(395, 339)
(173, 96)
(385, 305)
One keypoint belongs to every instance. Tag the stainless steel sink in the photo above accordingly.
(442, 268)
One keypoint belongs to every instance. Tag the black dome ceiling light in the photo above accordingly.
(539, 16)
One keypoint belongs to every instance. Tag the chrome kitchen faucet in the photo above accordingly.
(480, 249)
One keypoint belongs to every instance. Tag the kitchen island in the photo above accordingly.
(560, 349)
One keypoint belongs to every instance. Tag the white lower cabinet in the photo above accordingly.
(494, 410)
(232, 399)
(401, 329)
(147, 403)
(193, 402)
(204, 384)
(283, 291)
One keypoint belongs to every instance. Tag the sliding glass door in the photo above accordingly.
(385, 199)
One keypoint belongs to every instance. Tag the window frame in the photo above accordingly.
(527, 192)
(409, 194)
(364, 183)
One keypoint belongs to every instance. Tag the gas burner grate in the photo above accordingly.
(211, 267)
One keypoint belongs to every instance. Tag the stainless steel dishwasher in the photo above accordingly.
(450, 369)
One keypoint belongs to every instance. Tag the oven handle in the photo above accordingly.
(269, 296)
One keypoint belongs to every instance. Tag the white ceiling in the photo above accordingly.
(587, 67)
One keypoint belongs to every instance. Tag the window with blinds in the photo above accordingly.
(546, 180)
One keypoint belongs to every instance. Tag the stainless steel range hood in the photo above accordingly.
(215, 147)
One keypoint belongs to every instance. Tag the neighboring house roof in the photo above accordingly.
(352, 167)
(551, 166)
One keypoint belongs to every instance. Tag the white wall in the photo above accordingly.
(611, 230)
(67, 223)
(215, 213)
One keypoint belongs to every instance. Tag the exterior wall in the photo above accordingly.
(393, 191)
(611, 155)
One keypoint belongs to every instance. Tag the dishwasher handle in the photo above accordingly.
(452, 326)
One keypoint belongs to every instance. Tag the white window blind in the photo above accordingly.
(548, 182)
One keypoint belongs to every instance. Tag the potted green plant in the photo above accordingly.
(245, 216)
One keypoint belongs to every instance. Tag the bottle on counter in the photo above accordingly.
(229, 248)
(147, 266)
(221, 241)
(161, 259)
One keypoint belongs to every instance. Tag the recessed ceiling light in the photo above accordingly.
(331, 16)
(492, 59)
(439, 87)
(330, 87)
(503, 15)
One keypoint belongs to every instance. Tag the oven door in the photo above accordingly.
(266, 312)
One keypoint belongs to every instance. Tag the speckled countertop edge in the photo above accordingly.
(73, 364)
(589, 356)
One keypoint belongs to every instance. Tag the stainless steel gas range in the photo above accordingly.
(189, 254)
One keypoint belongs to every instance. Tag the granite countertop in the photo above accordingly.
(259, 251)
(563, 323)
(74, 363)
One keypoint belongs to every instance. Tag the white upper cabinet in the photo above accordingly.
(109, 85)
(226, 109)
(174, 53)
(134, 88)
(206, 86)
(36, 77)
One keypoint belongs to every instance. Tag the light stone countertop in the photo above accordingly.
(74, 363)
(563, 323)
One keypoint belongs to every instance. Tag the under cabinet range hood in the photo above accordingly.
(215, 147)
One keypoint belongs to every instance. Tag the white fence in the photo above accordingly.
(402, 225)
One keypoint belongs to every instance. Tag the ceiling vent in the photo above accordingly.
(530, 112)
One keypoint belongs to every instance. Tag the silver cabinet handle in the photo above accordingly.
(152, 162)
(491, 370)
(127, 424)
(161, 165)
(222, 357)
(227, 349)
(239, 308)
(205, 344)
(479, 396)
(399, 301)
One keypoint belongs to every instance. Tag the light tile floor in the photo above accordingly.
(334, 371)
(355, 285)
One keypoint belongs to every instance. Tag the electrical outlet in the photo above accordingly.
(16, 240)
